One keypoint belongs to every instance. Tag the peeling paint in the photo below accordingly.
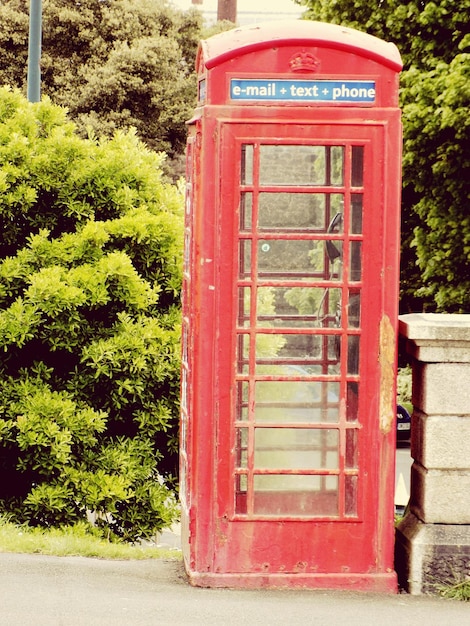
(387, 375)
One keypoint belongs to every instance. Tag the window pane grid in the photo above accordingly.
(299, 332)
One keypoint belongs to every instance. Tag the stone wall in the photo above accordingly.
(433, 539)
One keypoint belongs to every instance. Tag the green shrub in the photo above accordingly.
(404, 386)
(457, 589)
(89, 325)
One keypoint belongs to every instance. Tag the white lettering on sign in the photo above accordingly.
(303, 90)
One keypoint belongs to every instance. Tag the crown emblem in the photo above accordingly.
(304, 62)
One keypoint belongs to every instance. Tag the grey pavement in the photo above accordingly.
(38, 590)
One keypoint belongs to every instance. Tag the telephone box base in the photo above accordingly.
(375, 583)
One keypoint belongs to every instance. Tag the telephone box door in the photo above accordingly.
(303, 477)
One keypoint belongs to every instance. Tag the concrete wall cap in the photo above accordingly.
(435, 327)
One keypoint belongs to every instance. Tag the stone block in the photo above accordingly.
(441, 441)
(437, 338)
(439, 352)
(430, 555)
(440, 496)
(441, 388)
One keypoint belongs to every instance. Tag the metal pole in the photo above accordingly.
(34, 50)
(227, 10)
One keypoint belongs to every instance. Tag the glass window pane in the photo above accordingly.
(284, 257)
(244, 303)
(334, 247)
(356, 263)
(350, 505)
(242, 401)
(353, 354)
(241, 487)
(242, 447)
(335, 204)
(244, 258)
(351, 449)
(337, 165)
(301, 307)
(357, 166)
(313, 368)
(354, 309)
(352, 401)
(247, 165)
(301, 165)
(296, 495)
(356, 213)
(246, 211)
(298, 211)
(304, 211)
(334, 348)
(296, 401)
(292, 165)
(243, 351)
(287, 349)
(296, 448)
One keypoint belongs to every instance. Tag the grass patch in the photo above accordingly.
(77, 540)
(459, 590)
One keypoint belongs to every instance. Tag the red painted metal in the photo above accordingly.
(289, 311)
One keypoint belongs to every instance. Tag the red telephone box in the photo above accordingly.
(290, 309)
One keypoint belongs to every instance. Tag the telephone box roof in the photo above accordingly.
(240, 41)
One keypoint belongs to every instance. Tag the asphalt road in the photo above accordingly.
(402, 475)
(38, 590)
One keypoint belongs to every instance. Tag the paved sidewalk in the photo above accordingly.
(39, 590)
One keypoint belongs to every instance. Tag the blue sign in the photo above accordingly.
(357, 92)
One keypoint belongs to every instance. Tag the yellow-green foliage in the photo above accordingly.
(90, 277)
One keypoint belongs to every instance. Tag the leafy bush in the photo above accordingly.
(434, 42)
(89, 325)
(404, 386)
(437, 125)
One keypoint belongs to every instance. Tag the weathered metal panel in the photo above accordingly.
(293, 301)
